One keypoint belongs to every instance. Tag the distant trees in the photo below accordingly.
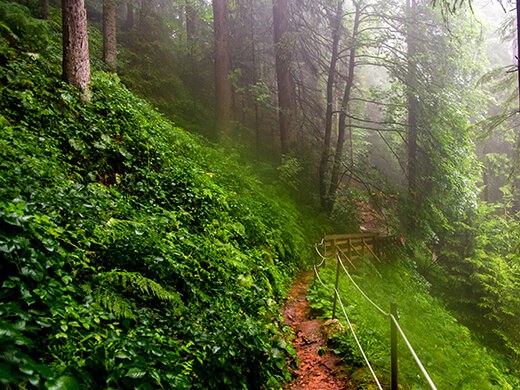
(284, 46)
(76, 64)
(353, 91)
(223, 86)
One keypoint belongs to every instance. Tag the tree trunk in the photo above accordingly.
(223, 87)
(413, 110)
(286, 95)
(342, 125)
(44, 9)
(76, 65)
(129, 24)
(412, 101)
(110, 34)
(191, 20)
(326, 152)
(518, 48)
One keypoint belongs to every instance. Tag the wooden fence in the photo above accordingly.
(355, 245)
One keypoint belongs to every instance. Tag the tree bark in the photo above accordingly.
(254, 74)
(110, 34)
(412, 103)
(518, 48)
(76, 65)
(223, 87)
(44, 9)
(283, 58)
(129, 24)
(342, 122)
(191, 20)
(326, 152)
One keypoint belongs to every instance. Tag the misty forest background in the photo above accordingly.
(171, 174)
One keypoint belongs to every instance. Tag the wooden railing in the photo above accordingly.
(355, 245)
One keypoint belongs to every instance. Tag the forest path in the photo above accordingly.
(318, 368)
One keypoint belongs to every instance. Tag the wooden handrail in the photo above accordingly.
(329, 237)
(355, 242)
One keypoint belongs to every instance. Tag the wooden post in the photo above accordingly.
(335, 288)
(393, 346)
(363, 246)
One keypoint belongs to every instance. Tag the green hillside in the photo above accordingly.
(453, 356)
(133, 255)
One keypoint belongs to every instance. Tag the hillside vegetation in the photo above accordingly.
(133, 255)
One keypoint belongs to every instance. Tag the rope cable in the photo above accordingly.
(361, 291)
(421, 367)
(323, 258)
(357, 341)
(321, 281)
(414, 355)
(351, 328)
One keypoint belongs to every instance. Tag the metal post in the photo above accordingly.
(393, 346)
(335, 288)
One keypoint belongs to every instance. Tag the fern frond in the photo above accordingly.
(130, 281)
(147, 286)
(113, 302)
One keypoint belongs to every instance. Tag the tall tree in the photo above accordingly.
(412, 103)
(76, 64)
(344, 112)
(129, 22)
(110, 34)
(44, 9)
(331, 77)
(286, 95)
(223, 87)
(191, 20)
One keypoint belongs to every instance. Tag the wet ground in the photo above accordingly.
(318, 368)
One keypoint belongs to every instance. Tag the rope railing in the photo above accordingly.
(392, 317)
(412, 351)
(359, 288)
(336, 292)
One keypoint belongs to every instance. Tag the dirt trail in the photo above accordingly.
(314, 372)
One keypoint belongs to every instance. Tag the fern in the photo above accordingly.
(130, 282)
(147, 286)
(113, 302)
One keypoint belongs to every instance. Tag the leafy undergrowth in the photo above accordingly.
(132, 255)
(451, 356)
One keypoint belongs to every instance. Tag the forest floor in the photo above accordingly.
(318, 368)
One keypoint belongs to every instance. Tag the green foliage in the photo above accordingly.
(132, 254)
(452, 357)
(17, 24)
(488, 274)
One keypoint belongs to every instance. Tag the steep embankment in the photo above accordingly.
(132, 255)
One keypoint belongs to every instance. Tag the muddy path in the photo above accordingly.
(318, 368)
